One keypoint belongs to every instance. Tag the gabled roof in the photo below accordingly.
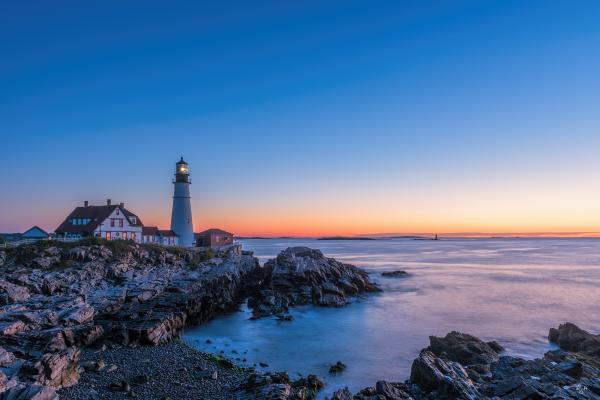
(214, 231)
(31, 232)
(150, 231)
(167, 232)
(96, 215)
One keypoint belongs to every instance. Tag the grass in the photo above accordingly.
(119, 248)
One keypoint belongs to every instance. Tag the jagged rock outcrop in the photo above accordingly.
(300, 275)
(571, 338)
(461, 366)
(55, 300)
(278, 386)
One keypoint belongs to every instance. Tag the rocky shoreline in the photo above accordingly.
(59, 300)
(102, 321)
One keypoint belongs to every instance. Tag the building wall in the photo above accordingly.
(181, 216)
(164, 240)
(219, 239)
(118, 232)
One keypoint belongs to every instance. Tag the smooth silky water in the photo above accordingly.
(508, 290)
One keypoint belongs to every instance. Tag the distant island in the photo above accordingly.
(346, 238)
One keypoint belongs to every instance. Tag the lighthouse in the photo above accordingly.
(181, 216)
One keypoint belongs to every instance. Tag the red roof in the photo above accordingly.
(214, 231)
(167, 233)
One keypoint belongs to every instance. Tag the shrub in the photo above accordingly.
(201, 256)
(92, 240)
(119, 247)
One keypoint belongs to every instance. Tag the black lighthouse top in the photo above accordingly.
(182, 171)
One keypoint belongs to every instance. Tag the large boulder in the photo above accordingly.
(464, 348)
(300, 275)
(448, 378)
(572, 338)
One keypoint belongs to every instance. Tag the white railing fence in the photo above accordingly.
(21, 242)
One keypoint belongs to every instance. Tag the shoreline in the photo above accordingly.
(105, 321)
(173, 370)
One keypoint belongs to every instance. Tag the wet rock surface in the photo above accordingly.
(57, 300)
(394, 274)
(300, 275)
(461, 366)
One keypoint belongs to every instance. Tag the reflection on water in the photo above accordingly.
(509, 290)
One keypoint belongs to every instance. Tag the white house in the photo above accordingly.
(111, 222)
(151, 234)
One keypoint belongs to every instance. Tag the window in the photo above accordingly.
(133, 220)
(112, 222)
(107, 235)
(124, 236)
(120, 222)
(132, 235)
(118, 211)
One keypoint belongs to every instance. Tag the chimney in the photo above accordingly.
(122, 205)
(85, 203)
(108, 202)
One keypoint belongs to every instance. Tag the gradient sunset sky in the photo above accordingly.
(305, 117)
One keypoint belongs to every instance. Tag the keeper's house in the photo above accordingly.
(111, 222)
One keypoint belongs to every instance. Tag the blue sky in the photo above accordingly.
(305, 117)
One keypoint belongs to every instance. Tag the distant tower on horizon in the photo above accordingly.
(181, 216)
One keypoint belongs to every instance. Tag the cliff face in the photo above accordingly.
(54, 300)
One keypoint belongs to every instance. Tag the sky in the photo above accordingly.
(305, 118)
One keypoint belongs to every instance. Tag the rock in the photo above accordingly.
(30, 392)
(6, 357)
(142, 379)
(337, 368)
(464, 349)
(11, 293)
(94, 366)
(449, 378)
(311, 382)
(570, 337)
(112, 368)
(56, 300)
(285, 318)
(391, 391)
(571, 367)
(342, 394)
(300, 275)
(209, 375)
(394, 274)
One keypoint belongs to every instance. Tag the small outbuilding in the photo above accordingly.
(35, 233)
(151, 234)
(215, 239)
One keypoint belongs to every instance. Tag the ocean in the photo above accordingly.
(511, 290)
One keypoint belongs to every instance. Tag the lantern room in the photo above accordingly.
(182, 171)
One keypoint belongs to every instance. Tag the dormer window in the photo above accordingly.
(118, 211)
(133, 220)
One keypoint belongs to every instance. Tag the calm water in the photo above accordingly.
(509, 290)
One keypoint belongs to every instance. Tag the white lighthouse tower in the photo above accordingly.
(181, 217)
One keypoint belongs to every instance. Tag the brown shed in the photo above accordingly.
(214, 238)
